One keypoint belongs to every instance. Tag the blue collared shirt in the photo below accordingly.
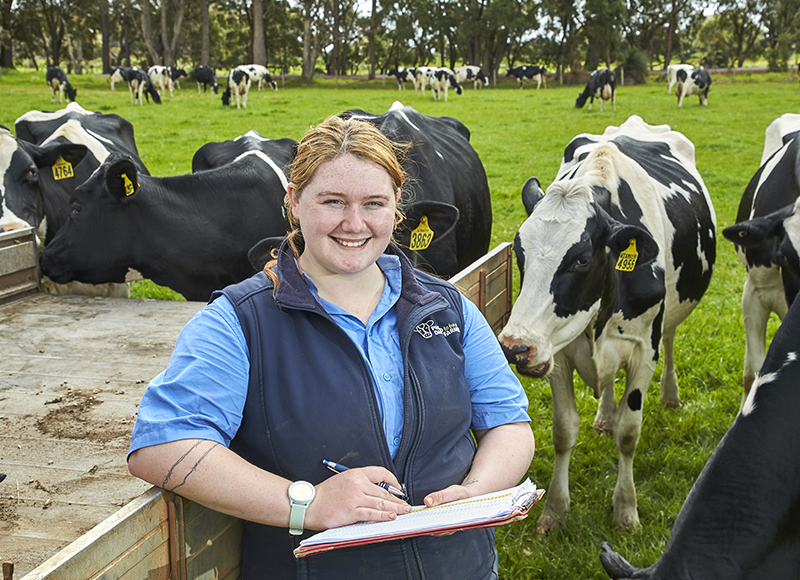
(201, 393)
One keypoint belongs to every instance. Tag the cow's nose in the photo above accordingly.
(515, 352)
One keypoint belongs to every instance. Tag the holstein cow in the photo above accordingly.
(213, 155)
(189, 232)
(448, 213)
(612, 259)
(694, 82)
(742, 517)
(239, 86)
(206, 77)
(140, 85)
(602, 85)
(536, 73)
(403, 75)
(161, 79)
(119, 74)
(672, 74)
(766, 241)
(440, 80)
(258, 73)
(58, 83)
(471, 73)
(177, 75)
(421, 78)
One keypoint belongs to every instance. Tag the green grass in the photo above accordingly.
(519, 134)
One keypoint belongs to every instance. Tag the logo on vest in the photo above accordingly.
(430, 328)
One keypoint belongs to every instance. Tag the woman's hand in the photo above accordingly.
(353, 496)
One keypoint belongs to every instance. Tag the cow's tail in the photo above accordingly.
(152, 92)
(617, 567)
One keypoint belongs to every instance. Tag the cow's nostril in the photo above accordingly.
(513, 352)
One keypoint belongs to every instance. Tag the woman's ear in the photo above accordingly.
(294, 199)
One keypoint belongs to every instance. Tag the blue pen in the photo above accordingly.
(338, 468)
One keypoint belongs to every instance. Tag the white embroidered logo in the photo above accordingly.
(429, 328)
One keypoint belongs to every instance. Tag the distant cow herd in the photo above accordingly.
(616, 253)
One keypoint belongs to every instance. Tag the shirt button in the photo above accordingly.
(396, 440)
(387, 377)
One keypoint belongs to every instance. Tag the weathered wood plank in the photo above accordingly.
(488, 283)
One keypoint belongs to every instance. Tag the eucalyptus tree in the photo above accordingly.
(602, 27)
(561, 27)
(781, 21)
(740, 27)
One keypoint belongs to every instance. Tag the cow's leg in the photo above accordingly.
(614, 99)
(566, 424)
(445, 93)
(670, 396)
(53, 93)
(704, 99)
(762, 294)
(627, 428)
(681, 95)
(244, 99)
(591, 102)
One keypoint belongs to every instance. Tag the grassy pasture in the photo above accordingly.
(519, 134)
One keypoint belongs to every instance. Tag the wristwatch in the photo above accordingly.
(301, 493)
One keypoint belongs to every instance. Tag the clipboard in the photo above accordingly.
(490, 510)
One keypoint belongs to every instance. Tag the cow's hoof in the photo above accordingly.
(627, 522)
(672, 403)
(603, 427)
(545, 525)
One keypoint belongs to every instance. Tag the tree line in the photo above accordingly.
(345, 37)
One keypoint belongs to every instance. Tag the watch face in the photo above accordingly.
(301, 491)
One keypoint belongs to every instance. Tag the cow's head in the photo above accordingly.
(568, 252)
(96, 242)
(72, 92)
(775, 237)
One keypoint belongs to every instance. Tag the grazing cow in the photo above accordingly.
(440, 80)
(616, 254)
(178, 231)
(58, 83)
(766, 239)
(694, 82)
(448, 213)
(421, 78)
(161, 79)
(741, 518)
(672, 74)
(206, 77)
(140, 85)
(471, 73)
(536, 73)
(213, 155)
(258, 73)
(177, 75)
(602, 85)
(403, 75)
(239, 85)
(119, 74)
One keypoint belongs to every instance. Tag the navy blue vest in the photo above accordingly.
(311, 397)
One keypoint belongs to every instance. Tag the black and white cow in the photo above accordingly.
(239, 86)
(403, 75)
(472, 73)
(440, 80)
(421, 78)
(259, 73)
(177, 75)
(119, 74)
(602, 85)
(742, 517)
(177, 231)
(672, 74)
(98, 133)
(536, 73)
(767, 239)
(694, 82)
(140, 85)
(58, 83)
(206, 77)
(161, 79)
(612, 259)
(218, 154)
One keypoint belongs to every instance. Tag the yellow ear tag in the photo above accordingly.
(130, 189)
(62, 169)
(627, 259)
(422, 236)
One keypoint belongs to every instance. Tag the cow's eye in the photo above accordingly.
(582, 263)
(76, 208)
(33, 175)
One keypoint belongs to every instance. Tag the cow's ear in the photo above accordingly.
(264, 251)
(426, 222)
(631, 246)
(122, 179)
(531, 194)
(755, 231)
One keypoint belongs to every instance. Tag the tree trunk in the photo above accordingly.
(309, 53)
(259, 40)
(78, 57)
(206, 42)
(670, 31)
(105, 34)
(372, 56)
(147, 32)
(180, 9)
(6, 46)
(168, 60)
(336, 39)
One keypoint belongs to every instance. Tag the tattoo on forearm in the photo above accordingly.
(470, 482)
(191, 470)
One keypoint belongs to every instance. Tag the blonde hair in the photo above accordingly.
(330, 139)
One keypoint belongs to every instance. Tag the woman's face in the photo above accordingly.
(346, 213)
